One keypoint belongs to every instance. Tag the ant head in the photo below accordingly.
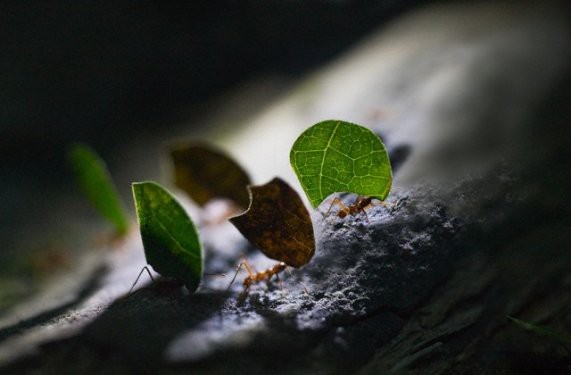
(342, 213)
(280, 267)
(363, 200)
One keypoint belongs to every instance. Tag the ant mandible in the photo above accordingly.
(360, 204)
(256, 277)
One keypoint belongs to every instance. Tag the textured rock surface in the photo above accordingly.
(422, 286)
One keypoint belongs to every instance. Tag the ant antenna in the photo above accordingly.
(138, 277)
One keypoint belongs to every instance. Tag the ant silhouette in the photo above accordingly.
(361, 203)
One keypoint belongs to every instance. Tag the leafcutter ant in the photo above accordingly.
(361, 203)
(256, 277)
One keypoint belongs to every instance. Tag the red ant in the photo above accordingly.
(255, 277)
(360, 204)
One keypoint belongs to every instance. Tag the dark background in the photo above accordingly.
(88, 70)
(99, 72)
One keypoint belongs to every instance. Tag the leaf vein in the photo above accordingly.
(324, 156)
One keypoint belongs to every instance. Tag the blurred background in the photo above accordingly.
(122, 75)
(248, 75)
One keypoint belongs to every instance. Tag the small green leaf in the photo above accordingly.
(96, 183)
(542, 331)
(171, 242)
(335, 156)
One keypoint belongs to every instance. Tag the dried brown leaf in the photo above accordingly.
(205, 173)
(278, 223)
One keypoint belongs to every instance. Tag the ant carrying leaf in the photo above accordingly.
(277, 223)
(170, 238)
(336, 156)
(359, 206)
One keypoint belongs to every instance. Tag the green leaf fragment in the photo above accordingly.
(542, 331)
(336, 156)
(170, 238)
(96, 183)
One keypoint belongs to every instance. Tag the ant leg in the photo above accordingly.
(365, 213)
(377, 203)
(138, 277)
(235, 274)
(342, 209)
(338, 202)
(251, 271)
(244, 263)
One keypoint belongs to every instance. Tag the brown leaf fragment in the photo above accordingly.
(278, 223)
(205, 173)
